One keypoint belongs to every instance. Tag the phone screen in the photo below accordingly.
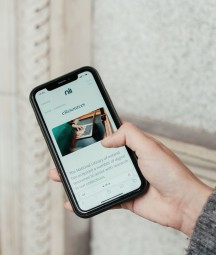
(78, 118)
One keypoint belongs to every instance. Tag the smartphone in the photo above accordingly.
(75, 113)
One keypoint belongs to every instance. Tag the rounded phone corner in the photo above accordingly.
(82, 213)
(32, 94)
(145, 186)
(88, 68)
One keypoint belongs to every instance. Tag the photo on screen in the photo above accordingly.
(82, 131)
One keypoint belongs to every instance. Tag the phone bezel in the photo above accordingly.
(56, 159)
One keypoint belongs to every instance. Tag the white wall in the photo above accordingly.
(158, 61)
(158, 58)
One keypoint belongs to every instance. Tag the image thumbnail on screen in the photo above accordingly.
(82, 131)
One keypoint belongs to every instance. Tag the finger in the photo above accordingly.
(53, 174)
(68, 206)
(128, 135)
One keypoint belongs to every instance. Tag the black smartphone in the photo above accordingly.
(75, 113)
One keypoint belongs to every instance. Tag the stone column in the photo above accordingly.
(39, 42)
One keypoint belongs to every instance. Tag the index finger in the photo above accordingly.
(53, 174)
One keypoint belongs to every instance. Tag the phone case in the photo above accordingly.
(57, 161)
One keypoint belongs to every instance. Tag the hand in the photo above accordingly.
(77, 127)
(78, 134)
(175, 196)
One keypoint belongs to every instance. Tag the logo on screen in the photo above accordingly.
(68, 91)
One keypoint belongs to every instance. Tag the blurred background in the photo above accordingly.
(158, 62)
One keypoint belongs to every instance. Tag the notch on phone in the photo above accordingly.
(62, 81)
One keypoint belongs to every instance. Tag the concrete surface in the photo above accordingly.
(158, 62)
(123, 233)
(158, 58)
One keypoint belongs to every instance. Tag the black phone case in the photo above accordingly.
(57, 161)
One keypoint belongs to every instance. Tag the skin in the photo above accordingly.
(77, 127)
(175, 197)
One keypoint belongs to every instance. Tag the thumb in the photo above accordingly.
(128, 135)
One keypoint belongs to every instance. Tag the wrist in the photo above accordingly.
(193, 205)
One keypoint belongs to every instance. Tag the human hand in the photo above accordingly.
(78, 127)
(175, 196)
